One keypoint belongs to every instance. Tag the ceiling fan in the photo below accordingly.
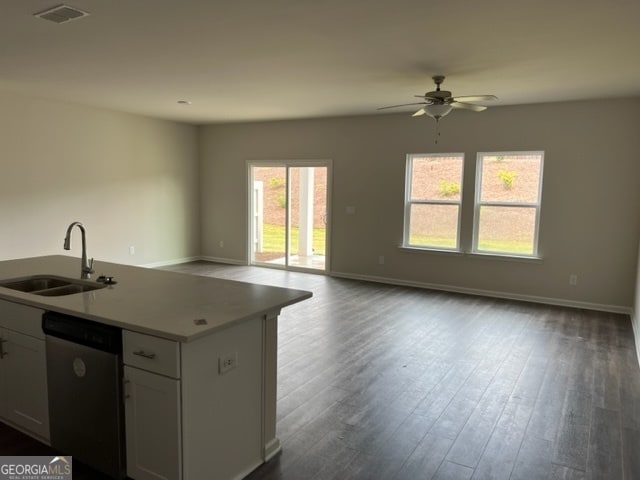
(439, 103)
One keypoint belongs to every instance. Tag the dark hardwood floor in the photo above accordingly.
(13, 442)
(387, 382)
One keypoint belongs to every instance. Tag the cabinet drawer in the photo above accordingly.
(151, 353)
(20, 318)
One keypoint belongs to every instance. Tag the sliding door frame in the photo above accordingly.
(288, 164)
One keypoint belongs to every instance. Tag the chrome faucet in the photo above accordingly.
(87, 266)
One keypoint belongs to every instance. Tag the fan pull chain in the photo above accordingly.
(437, 134)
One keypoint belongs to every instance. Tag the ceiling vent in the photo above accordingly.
(61, 14)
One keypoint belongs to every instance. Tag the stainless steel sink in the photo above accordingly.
(68, 290)
(32, 284)
(50, 286)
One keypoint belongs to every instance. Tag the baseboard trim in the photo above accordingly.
(229, 261)
(272, 448)
(178, 261)
(489, 293)
(166, 263)
(562, 302)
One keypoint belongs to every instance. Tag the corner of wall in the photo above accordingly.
(636, 333)
(636, 310)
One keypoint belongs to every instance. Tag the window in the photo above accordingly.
(433, 196)
(507, 206)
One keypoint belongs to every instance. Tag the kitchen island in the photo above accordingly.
(199, 357)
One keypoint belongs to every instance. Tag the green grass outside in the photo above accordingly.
(498, 246)
(506, 246)
(273, 239)
(437, 242)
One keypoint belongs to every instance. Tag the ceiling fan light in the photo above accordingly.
(437, 111)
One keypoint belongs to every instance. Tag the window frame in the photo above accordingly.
(408, 202)
(479, 203)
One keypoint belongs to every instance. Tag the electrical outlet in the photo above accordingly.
(351, 210)
(227, 363)
(573, 279)
(381, 260)
(132, 250)
(221, 243)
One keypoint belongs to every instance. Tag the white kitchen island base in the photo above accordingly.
(196, 420)
(200, 363)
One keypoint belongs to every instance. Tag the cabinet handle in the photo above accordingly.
(125, 389)
(2, 352)
(142, 353)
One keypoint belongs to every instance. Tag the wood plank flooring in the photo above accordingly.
(386, 382)
(13, 442)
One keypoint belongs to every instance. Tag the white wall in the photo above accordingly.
(131, 180)
(590, 221)
(134, 181)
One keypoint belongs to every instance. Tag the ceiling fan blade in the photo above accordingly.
(468, 106)
(422, 111)
(401, 105)
(475, 98)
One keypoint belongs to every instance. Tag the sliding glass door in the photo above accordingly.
(288, 214)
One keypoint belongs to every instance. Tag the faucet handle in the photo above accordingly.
(91, 270)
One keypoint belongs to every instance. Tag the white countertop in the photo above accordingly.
(156, 302)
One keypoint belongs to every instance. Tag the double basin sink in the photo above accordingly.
(50, 286)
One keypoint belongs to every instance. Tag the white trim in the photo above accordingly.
(229, 261)
(166, 263)
(635, 316)
(287, 165)
(489, 293)
(636, 333)
(178, 261)
(433, 250)
(505, 257)
(478, 202)
(271, 449)
(409, 201)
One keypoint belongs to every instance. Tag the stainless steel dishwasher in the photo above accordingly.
(84, 374)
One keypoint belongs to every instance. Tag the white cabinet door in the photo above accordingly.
(153, 430)
(23, 369)
(26, 383)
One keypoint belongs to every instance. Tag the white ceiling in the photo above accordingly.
(240, 60)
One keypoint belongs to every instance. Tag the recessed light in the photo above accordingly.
(184, 102)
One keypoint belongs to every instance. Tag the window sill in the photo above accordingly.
(505, 257)
(478, 255)
(437, 251)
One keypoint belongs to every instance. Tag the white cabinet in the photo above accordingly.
(157, 355)
(153, 432)
(152, 407)
(23, 370)
(26, 375)
(194, 410)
